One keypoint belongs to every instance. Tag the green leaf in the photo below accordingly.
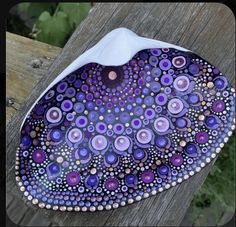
(53, 29)
(76, 12)
(44, 16)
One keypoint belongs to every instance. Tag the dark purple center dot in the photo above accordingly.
(111, 184)
(101, 127)
(149, 113)
(161, 98)
(166, 79)
(165, 64)
(136, 122)
(73, 178)
(99, 102)
(67, 105)
(218, 106)
(82, 121)
(141, 82)
(62, 86)
(38, 156)
(118, 128)
(121, 103)
(201, 137)
(147, 176)
(176, 160)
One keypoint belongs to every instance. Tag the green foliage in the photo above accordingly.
(76, 11)
(217, 192)
(55, 22)
(53, 29)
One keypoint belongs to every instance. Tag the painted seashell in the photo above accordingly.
(128, 118)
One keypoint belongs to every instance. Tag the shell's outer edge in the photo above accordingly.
(42, 205)
(130, 43)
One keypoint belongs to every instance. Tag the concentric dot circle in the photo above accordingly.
(122, 143)
(161, 124)
(175, 106)
(54, 115)
(99, 142)
(144, 136)
(75, 135)
(179, 61)
(181, 83)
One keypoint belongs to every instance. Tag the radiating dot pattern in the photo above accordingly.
(106, 136)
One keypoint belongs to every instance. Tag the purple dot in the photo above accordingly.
(38, 156)
(165, 64)
(218, 106)
(66, 105)
(176, 160)
(147, 176)
(73, 178)
(111, 184)
(202, 137)
(194, 69)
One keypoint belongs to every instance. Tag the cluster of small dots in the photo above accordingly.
(106, 136)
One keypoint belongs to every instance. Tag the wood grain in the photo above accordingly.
(26, 62)
(200, 27)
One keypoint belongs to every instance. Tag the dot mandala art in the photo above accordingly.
(107, 136)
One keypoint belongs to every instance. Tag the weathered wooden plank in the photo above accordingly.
(26, 62)
(36, 219)
(16, 210)
(199, 30)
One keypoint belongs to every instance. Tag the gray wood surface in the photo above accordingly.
(25, 68)
(206, 28)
